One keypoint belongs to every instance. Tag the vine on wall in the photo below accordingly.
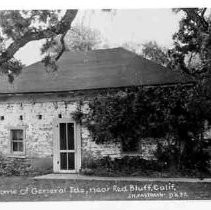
(176, 113)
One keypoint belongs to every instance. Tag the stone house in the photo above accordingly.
(35, 110)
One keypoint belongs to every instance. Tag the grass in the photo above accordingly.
(28, 189)
(144, 173)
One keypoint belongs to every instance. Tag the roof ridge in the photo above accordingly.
(85, 52)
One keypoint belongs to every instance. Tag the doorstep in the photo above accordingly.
(141, 179)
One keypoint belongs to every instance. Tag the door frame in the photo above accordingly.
(56, 145)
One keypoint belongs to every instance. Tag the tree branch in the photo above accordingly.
(60, 28)
(63, 46)
(196, 17)
(203, 11)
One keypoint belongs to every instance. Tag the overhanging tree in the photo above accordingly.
(83, 38)
(19, 27)
(78, 38)
(194, 39)
(152, 51)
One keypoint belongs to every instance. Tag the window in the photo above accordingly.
(17, 141)
(131, 146)
(39, 116)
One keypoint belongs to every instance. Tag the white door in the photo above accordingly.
(67, 147)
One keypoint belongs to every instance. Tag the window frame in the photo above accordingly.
(17, 153)
(131, 153)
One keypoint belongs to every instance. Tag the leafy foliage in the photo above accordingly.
(78, 114)
(177, 114)
(133, 47)
(126, 166)
(193, 39)
(82, 38)
(191, 53)
(152, 51)
(136, 166)
(19, 27)
(193, 158)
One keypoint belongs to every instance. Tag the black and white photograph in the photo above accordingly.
(105, 104)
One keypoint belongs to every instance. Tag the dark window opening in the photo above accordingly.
(2, 117)
(66, 136)
(40, 117)
(131, 146)
(60, 116)
(21, 117)
(63, 139)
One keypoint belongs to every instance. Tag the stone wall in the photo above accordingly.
(92, 151)
(39, 132)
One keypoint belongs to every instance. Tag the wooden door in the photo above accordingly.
(67, 147)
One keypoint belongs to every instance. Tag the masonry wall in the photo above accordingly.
(39, 132)
(91, 150)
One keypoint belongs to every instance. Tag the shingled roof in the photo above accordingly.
(107, 68)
